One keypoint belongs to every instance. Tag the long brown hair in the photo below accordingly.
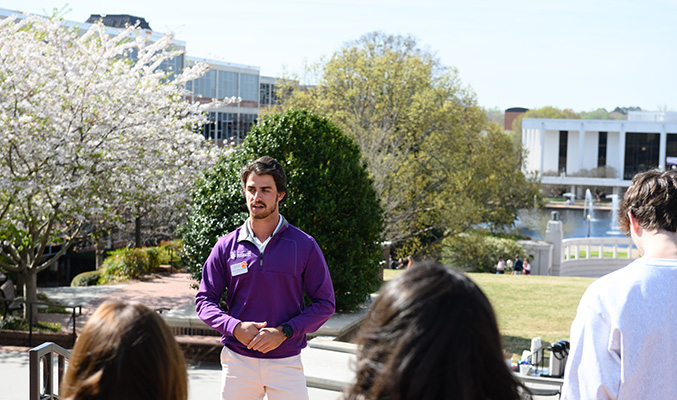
(126, 351)
(431, 334)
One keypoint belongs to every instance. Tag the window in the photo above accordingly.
(249, 87)
(227, 84)
(264, 94)
(671, 152)
(205, 85)
(227, 124)
(601, 150)
(246, 122)
(209, 128)
(641, 153)
(563, 143)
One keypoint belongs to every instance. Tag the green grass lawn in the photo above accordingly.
(529, 306)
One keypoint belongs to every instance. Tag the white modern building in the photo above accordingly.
(579, 153)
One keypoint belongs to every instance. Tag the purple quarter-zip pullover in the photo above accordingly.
(266, 287)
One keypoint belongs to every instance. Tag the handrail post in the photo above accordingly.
(45, 354)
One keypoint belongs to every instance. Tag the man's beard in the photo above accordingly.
(265, 212)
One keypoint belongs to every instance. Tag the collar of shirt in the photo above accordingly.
(257, 242)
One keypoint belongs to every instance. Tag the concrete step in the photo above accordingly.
(327, 369)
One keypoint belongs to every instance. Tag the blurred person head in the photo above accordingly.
(431, 334)
(652, 200)
(125, 351)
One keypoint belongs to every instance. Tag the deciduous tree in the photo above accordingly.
(422, 135)
(89, 126)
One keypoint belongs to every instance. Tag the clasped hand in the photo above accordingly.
(257, 337)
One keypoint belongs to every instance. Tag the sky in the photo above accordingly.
(576, 54)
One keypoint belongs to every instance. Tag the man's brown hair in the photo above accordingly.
(652, 199)
(266, 165)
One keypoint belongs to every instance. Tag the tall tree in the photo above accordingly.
(85, 133)
(419, 128)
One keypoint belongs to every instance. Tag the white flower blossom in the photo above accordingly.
(87, 134)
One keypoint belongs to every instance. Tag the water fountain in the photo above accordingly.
(589, 206)
(614, 215)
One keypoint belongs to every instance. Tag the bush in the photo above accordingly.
(89, 278)
(329, 196)
(153, 256)
(175, 247)
(475, 251)
(124, 264)
(16, 323)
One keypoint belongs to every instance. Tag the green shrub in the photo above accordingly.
(124, 264)
(475, 251)
(171, 253)
(16, 323)
(153, 256)
(329, 196)
(89, 278)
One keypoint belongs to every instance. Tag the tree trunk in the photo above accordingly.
(137, 231)
(30, 277)
(100, 250)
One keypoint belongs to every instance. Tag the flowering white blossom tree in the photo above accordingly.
(90, 126)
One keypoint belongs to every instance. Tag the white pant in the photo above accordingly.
(245, 377)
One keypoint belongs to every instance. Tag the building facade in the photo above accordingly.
(228, 126)
(604, 153)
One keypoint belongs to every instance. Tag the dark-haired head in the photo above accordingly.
(125, 351)
(266, 165)
(652, 199)
(431, 334)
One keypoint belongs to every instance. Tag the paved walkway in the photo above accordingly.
(158, 291)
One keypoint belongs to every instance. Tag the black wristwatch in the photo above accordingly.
(287, 330)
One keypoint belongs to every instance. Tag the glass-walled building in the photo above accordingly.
(229, 125)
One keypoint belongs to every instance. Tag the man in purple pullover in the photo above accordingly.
(265, 266)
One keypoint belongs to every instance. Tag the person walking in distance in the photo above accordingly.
(265, 267)
(624, 336)
(518, 267)
(500, 266)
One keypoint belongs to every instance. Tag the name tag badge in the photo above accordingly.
(239, 268)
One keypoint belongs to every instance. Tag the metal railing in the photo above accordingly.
(43, 360)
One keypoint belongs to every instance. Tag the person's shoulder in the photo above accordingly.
(619, 282)
(292, 230)
(229, 237)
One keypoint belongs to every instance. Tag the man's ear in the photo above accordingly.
(634, 223)
(281, 195)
